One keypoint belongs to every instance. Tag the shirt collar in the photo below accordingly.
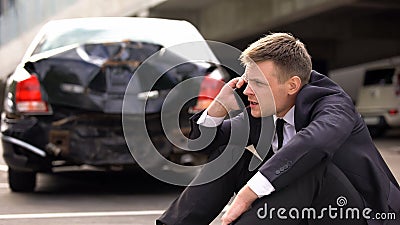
(289, 116)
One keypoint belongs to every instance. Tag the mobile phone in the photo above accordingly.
(241, 97)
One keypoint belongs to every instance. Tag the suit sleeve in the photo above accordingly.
(331, 124)
(205, 139)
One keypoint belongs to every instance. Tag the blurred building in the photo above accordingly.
(338, 33)
(20, 20)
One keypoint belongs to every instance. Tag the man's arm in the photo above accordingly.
(206, 139)
(204, 136)
(332, 124)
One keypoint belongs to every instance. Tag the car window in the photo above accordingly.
(380, 76)
(63, 38)
(178, 36)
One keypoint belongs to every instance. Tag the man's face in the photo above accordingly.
(266, 95)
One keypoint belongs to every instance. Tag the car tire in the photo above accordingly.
(21, 181)
(376, 131)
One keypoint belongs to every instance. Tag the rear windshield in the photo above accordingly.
(381, 76)
(57, 39)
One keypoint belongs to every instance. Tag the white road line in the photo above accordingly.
(3, 168)
(4, 185)
(80, 214)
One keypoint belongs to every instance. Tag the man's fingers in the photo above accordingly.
(232, 83)
(242, 80)
(225, 221)
(237, 82)
(240, 83)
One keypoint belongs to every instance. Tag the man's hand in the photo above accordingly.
(225, 100)
(240, 204)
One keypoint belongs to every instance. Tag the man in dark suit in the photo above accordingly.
(323, 167)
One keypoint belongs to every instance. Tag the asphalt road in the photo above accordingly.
(111, 198)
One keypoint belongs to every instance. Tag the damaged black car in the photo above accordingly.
(63, 103)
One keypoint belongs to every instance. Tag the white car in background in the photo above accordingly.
(379, 99)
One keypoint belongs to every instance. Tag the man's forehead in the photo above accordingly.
(253, 71)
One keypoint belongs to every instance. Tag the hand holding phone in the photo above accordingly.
(241, 98)
(230, 98)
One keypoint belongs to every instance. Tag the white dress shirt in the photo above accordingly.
(258, 183)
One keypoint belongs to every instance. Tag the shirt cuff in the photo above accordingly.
(260, 185)
(209, 121)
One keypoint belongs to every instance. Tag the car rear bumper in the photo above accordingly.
(375, 121)
(393, 120)
(381, 118)
(79, 138)
(382, 121)
(39, 144)
(20, 158)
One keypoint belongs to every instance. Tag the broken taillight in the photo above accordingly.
(28, 97)
(209, 89)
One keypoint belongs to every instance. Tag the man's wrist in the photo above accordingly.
(216, 109)
(260, 185)
(246, 195)
(209, 121)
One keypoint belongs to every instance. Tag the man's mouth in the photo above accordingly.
(253, 103)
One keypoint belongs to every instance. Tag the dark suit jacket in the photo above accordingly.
(328, 128)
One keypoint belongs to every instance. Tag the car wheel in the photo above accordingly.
(376, 131)
(20, 181)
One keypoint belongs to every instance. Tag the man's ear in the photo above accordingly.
(294, 85)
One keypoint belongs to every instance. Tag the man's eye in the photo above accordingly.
(259, 83)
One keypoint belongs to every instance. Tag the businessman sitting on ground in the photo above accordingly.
(321, 152)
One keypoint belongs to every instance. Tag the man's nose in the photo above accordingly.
(248, 91)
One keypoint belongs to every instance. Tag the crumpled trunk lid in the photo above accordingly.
(94, 76)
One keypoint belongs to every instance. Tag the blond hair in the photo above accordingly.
(288, 53)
